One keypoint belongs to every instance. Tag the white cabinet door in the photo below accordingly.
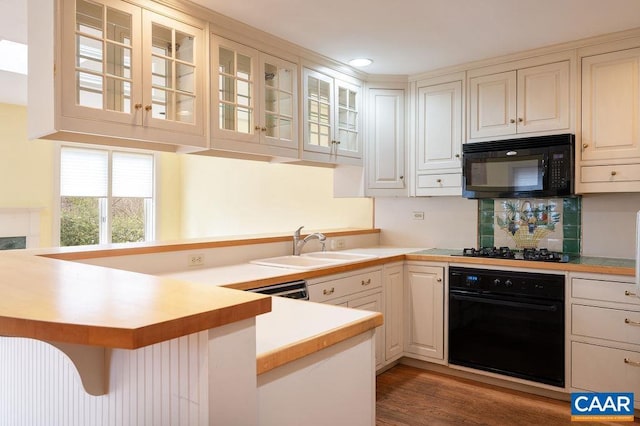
(385, 139)
(611, 105)
(439, 139)
(533, 99)
(424, 311)
(373, 303)
(278, 110)
(493, 105)
(393, 279)
(332, 119)
(543, 98)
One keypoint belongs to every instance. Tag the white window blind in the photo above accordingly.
(132, 175)
(84, 172)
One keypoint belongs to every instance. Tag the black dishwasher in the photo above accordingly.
(508, 323)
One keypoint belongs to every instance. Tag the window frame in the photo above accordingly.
(151, 212)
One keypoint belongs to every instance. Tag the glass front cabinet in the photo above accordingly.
(254, 101)
(133, 72)
(332, 113)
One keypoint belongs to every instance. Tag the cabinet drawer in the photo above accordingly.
(611, 173)
(447, 180)
(604, 323)
(603, 369)
(607, 291)
(333, 289)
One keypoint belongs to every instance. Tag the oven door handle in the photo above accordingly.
(501, 302)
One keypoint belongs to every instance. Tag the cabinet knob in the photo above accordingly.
(629, 293)
(439, 180)
(401, 177)
(585, 145)
(520, 120)
(367, 282)
(633, 363)
(329, 291)
(147, 108)
(631, 322)
(138, 106)
(613, 173)
(457, 155)
(439, 279)
(256, 128)
(264, 129)
(512, 121)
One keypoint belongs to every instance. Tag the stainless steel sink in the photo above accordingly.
(313, 260)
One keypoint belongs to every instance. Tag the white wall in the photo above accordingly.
(608, 223)
(449, 222)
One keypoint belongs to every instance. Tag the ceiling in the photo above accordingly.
(403, 36)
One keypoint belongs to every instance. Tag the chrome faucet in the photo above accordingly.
(298, 244)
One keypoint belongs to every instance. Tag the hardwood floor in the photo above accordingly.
(411, 396)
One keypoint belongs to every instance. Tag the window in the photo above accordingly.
(105, 197)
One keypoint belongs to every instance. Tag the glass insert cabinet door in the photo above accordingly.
(102, 75)
(318, 108)
(279, 102)
(348, 119)
(131, 65)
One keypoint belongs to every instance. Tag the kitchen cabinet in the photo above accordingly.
(393, 286)
(605, 334)
(526, 100)
(424, 312)
(332, 119)
(253, 101)
(359, 290)
(127, 75)
(439, 131)
(609, 158)
(385, 147)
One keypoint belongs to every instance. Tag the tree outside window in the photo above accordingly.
(105, 197)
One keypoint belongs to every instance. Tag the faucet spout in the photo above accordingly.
(298, 243)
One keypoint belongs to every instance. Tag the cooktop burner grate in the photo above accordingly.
(532, 254)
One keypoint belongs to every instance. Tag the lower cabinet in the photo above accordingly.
(357, 289)
(424, 312)
(605, 334)
(393, 283)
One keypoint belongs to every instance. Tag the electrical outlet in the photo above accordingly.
(338, 244)
(196, 260)
(417, 215)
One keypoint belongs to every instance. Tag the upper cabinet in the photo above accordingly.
(609, 156)
(254, 101)
(127, 76)
(439, 135)
(526, 100)
(332, 119)
(385, 147)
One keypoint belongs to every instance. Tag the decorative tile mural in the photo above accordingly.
(551, 223)
(11, 243)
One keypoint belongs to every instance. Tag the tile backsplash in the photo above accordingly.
(552, 223)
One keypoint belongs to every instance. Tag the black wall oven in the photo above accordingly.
(508, 323)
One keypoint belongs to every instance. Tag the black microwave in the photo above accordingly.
(541, 166)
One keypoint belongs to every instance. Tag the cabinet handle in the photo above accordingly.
(264, 129)
(512, 121)
(629, 293)
(520, 120)
(147, 108)
(439, 280)
(138, 106)
(328, 292)
(631, 322)
(256, 128)
(613, 173)
(367, 282)
(632, 363)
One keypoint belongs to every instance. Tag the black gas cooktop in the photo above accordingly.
(533, 254)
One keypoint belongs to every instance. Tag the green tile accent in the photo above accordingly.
(570, 221)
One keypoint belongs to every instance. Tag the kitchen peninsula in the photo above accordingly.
(143, 349)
